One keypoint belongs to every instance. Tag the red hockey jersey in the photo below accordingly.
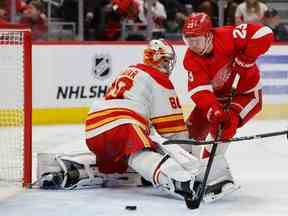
(210, 77)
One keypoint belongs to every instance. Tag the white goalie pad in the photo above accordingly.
(62, 171)
(182, 155)
(184, 158)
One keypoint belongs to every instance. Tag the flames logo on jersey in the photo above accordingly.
(102, 66)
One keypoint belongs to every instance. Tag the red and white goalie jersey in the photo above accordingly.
(143, 96)
(210, 76)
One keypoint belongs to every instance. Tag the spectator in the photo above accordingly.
(94, 22)
(94, 16)
(207, 6)
(5, 8)
(272, 19)
(113, 16)
(34, 17)
(230, 11)
(176, 13)
(250, 11)
(159, 17)
(70, 11)
(2, 10)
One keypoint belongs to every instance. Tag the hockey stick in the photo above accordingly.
(236, 139)
(194, 203)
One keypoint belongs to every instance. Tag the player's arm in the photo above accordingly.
(200, 89)
(251, 41)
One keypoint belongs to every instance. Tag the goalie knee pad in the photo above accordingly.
(163, 172)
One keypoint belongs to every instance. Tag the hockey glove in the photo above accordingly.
(216, 115)
(229, 127)
(242, 63)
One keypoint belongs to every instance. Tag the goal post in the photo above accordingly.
(15, 104)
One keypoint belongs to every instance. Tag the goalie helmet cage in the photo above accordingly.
(15, 105)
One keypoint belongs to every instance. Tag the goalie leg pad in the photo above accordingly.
(163, 172)
(184, 158)
(78, 171)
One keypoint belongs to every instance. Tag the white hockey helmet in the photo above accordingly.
(161, 55)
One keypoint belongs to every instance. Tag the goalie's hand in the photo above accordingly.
(229, 126)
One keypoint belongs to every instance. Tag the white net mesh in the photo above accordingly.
(11, 105)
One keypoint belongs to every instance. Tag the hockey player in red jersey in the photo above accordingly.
(118, 128)
(216, 59)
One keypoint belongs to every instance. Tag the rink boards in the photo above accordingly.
(68, 77)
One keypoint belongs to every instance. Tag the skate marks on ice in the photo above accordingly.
(257, 167)
(254, 198)
(105, 202)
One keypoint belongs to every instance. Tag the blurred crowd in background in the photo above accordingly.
(111, 20)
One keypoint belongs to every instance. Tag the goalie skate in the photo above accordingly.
(219, 190)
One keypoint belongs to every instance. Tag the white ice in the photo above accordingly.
(259, 166)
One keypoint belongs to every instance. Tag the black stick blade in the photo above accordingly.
(191, 203)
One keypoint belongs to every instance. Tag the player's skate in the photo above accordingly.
(220, 189)
(220, 182)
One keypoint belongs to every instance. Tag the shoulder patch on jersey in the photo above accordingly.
(130, 72)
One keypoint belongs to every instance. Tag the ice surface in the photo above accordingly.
(259, 166)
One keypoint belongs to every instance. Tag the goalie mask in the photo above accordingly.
(197, 33)
(161, 55)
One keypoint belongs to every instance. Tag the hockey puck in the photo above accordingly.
(131, 207)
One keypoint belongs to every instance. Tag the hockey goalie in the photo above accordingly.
(118, 132)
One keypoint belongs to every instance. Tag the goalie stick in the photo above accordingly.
(236, 139)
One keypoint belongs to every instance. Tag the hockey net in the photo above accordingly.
(15, 105)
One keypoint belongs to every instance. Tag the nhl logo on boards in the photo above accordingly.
(102, 66)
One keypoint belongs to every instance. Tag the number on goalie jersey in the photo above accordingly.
(118, 128)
